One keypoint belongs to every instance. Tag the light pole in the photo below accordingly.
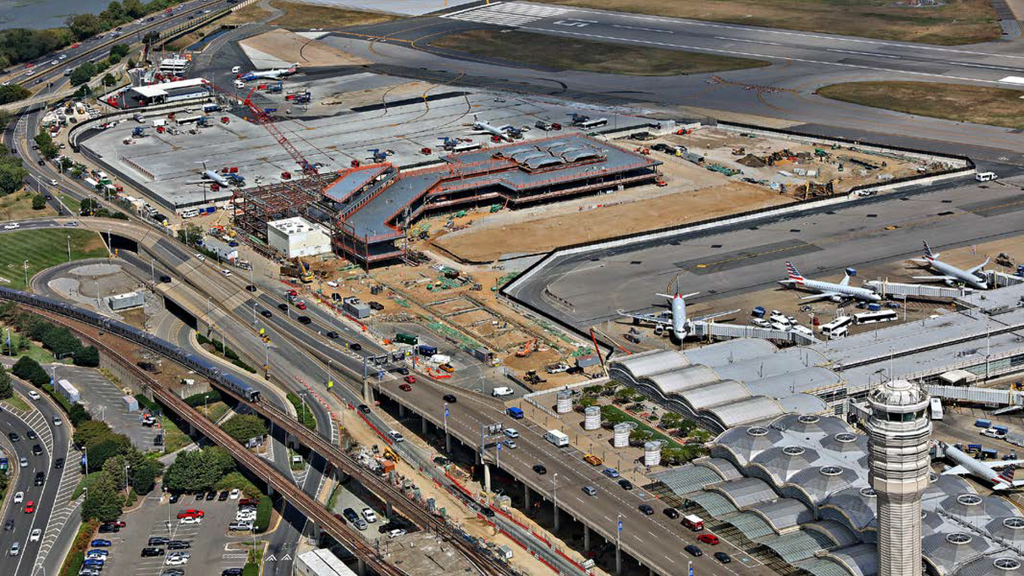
(127, 467)
(69, 247)
(554, 497)
(26, 274)
(618, 545)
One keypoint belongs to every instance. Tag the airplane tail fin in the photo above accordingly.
(928, 251)
(1007, 474)
(794, 274)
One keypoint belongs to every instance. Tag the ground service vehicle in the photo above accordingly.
(693, 522)
(873, 317)
(514, 413)
(837, 328)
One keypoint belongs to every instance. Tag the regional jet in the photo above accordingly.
(274, 74)
(484, 128)
(985, 470)
(680, 324)
(835, 292)
(951, 274)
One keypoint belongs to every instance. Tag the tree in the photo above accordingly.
(38, 202)
(82, 74)
(245, 426)
(6, 391)
(46, 145)
(151, 37)
(88, 356)
(12, 175)
(115, 467)
(106, 448)
(79, 414)
(13, 93)
(85, 25)
(109, 80)
(624, 394)
(198, 470)
(88, 432)
(30, 370)
(190, 234)
(144, 474)
(88, 207)
(103, 502)
(119, 50)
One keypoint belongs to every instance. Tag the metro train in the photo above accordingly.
(202, 366)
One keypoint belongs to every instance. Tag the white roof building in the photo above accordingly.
(296, 237)
(172, 91)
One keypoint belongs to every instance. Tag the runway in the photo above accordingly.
(745, 259)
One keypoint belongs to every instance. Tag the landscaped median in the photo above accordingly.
(305, 415)
(957, 102)
(561, 53)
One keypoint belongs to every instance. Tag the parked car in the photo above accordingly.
(158, 541)
(671, 513)
(151, 552)
(646, 509)
(722, 557)
(626, 484)
(369, 515)
(708, 539)
(693, 550)
(100, 543)
(178, 544)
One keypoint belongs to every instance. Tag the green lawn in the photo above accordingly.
(34, 351)
(74, 205)
(625, 416)
(174, 438)
(43, 249)
(213, 411)
(561, 53)
(305, 415)
(18, 403)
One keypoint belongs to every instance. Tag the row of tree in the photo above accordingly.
(118, 466)
(29, 370)
(57, 339)
(12, 172)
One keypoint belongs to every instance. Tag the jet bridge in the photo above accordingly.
(890, 289)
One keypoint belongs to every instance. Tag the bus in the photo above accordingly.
(597, 123)
(936, 405)
(407, 339)
(872, 317)
(837, 328)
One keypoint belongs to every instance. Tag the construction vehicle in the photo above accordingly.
(378, 155)
(1004, 260)
(532, 378)
(740, 151)
(391, 455)
(305, 272)
(527, 348)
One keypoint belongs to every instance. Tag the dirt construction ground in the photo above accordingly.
(286, 46)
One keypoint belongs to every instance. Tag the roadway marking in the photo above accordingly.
(748, 41)
(512, 14)
(656, 30)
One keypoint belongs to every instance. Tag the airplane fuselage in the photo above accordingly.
(964, 276)
(845, 291)
(975, 468)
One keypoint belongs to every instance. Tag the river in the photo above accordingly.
(44, 13)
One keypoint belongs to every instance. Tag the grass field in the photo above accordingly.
(18, 206)
(299, 15)
(74, 205)
(174, 438)
(976, 104)
(43, 249)
(18, 403)
(952, 22)
(213, 411)
(34, 351)
(588, 55)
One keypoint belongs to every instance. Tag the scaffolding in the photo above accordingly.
(254, 207)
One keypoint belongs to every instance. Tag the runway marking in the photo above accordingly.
(513, 14)
(748, 41)
(872, 54)
(642, 29)
(761, 56)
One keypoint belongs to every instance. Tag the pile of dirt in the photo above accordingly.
(751, 161)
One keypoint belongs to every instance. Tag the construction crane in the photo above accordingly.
(308, 168)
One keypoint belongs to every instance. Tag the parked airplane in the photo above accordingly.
(985, 470)
(484, 128)
(273, 74)
(217, 178)
(949, 273)
(835, 292)
(680, 323)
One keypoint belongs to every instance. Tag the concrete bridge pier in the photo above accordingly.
(423, 426)
(618, 560)
(401, 411)
(387, 510)
(360, 567)
(487, 478)
(367, 392)
(447, 443)
(557, 523)
(586, 538)
(526, 498)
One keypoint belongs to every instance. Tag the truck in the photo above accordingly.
(207, 108)
(557, 437)
(693, 522)
(982, 423)
(426, 350)
(514, 412)
(403, 338)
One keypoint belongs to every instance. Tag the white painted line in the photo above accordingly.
(988, 66)
(642, 29)
(748, 41)
(1012, 80)
(872, 54)
(450, 14)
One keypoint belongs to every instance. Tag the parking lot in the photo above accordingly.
(211, 549)
(357, 501)
(104, 400)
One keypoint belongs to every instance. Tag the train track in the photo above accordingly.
(483, 562)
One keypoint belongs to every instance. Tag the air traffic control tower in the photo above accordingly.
(898, 462)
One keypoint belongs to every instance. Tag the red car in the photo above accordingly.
(410, 379)
(248, 501)
(76, 45)
(708, 539)
(301, 305)
(118, 523)
(191, 513)
(293, 293)
(406, 387)
(30, 507)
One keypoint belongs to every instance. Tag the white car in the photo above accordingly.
(226, 272)
(239, 84)
(245, 517)
(33, 395)
(369, 515)
(53, 182)
(502, 391)
(511, 433)
(200, 257)
(35, 535)
(13, 226)
(19, 497)
(55, 62)
(396, 532)
(57, 421)
(396, 436)
(175, 560)
(236, 69)
(191, 520)
(510, 443)
(234, 493)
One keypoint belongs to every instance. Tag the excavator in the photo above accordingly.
(527, 349)
(391, 455)
(305, 272)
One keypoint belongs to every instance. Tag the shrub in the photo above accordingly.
(77, 556)
(262, 514)
(88, 356)
(197, 400)
(38, 202)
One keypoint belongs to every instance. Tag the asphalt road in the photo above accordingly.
(54, 441)
(740, 260)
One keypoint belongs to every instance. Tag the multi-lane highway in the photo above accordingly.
(54, 441)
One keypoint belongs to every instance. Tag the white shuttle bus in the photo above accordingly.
(936, 405)
(872, 317)
(837, 328)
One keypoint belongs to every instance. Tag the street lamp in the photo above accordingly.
(26, 274)
(618, 545)
(127, 467)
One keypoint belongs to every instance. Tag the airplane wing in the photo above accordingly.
(978, 267)
(652, 318)
(845, 281)
(716, 315)
(921, 261)
(956, 470)
(823, 295)
(936, 278)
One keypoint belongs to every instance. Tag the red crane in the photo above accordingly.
(308, 168)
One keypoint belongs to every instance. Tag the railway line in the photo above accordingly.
(96, 328)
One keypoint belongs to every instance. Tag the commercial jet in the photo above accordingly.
(951, 274)
(680, 324)
(997, 472)
(484, 128)
(835, 292)
(274, 74)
